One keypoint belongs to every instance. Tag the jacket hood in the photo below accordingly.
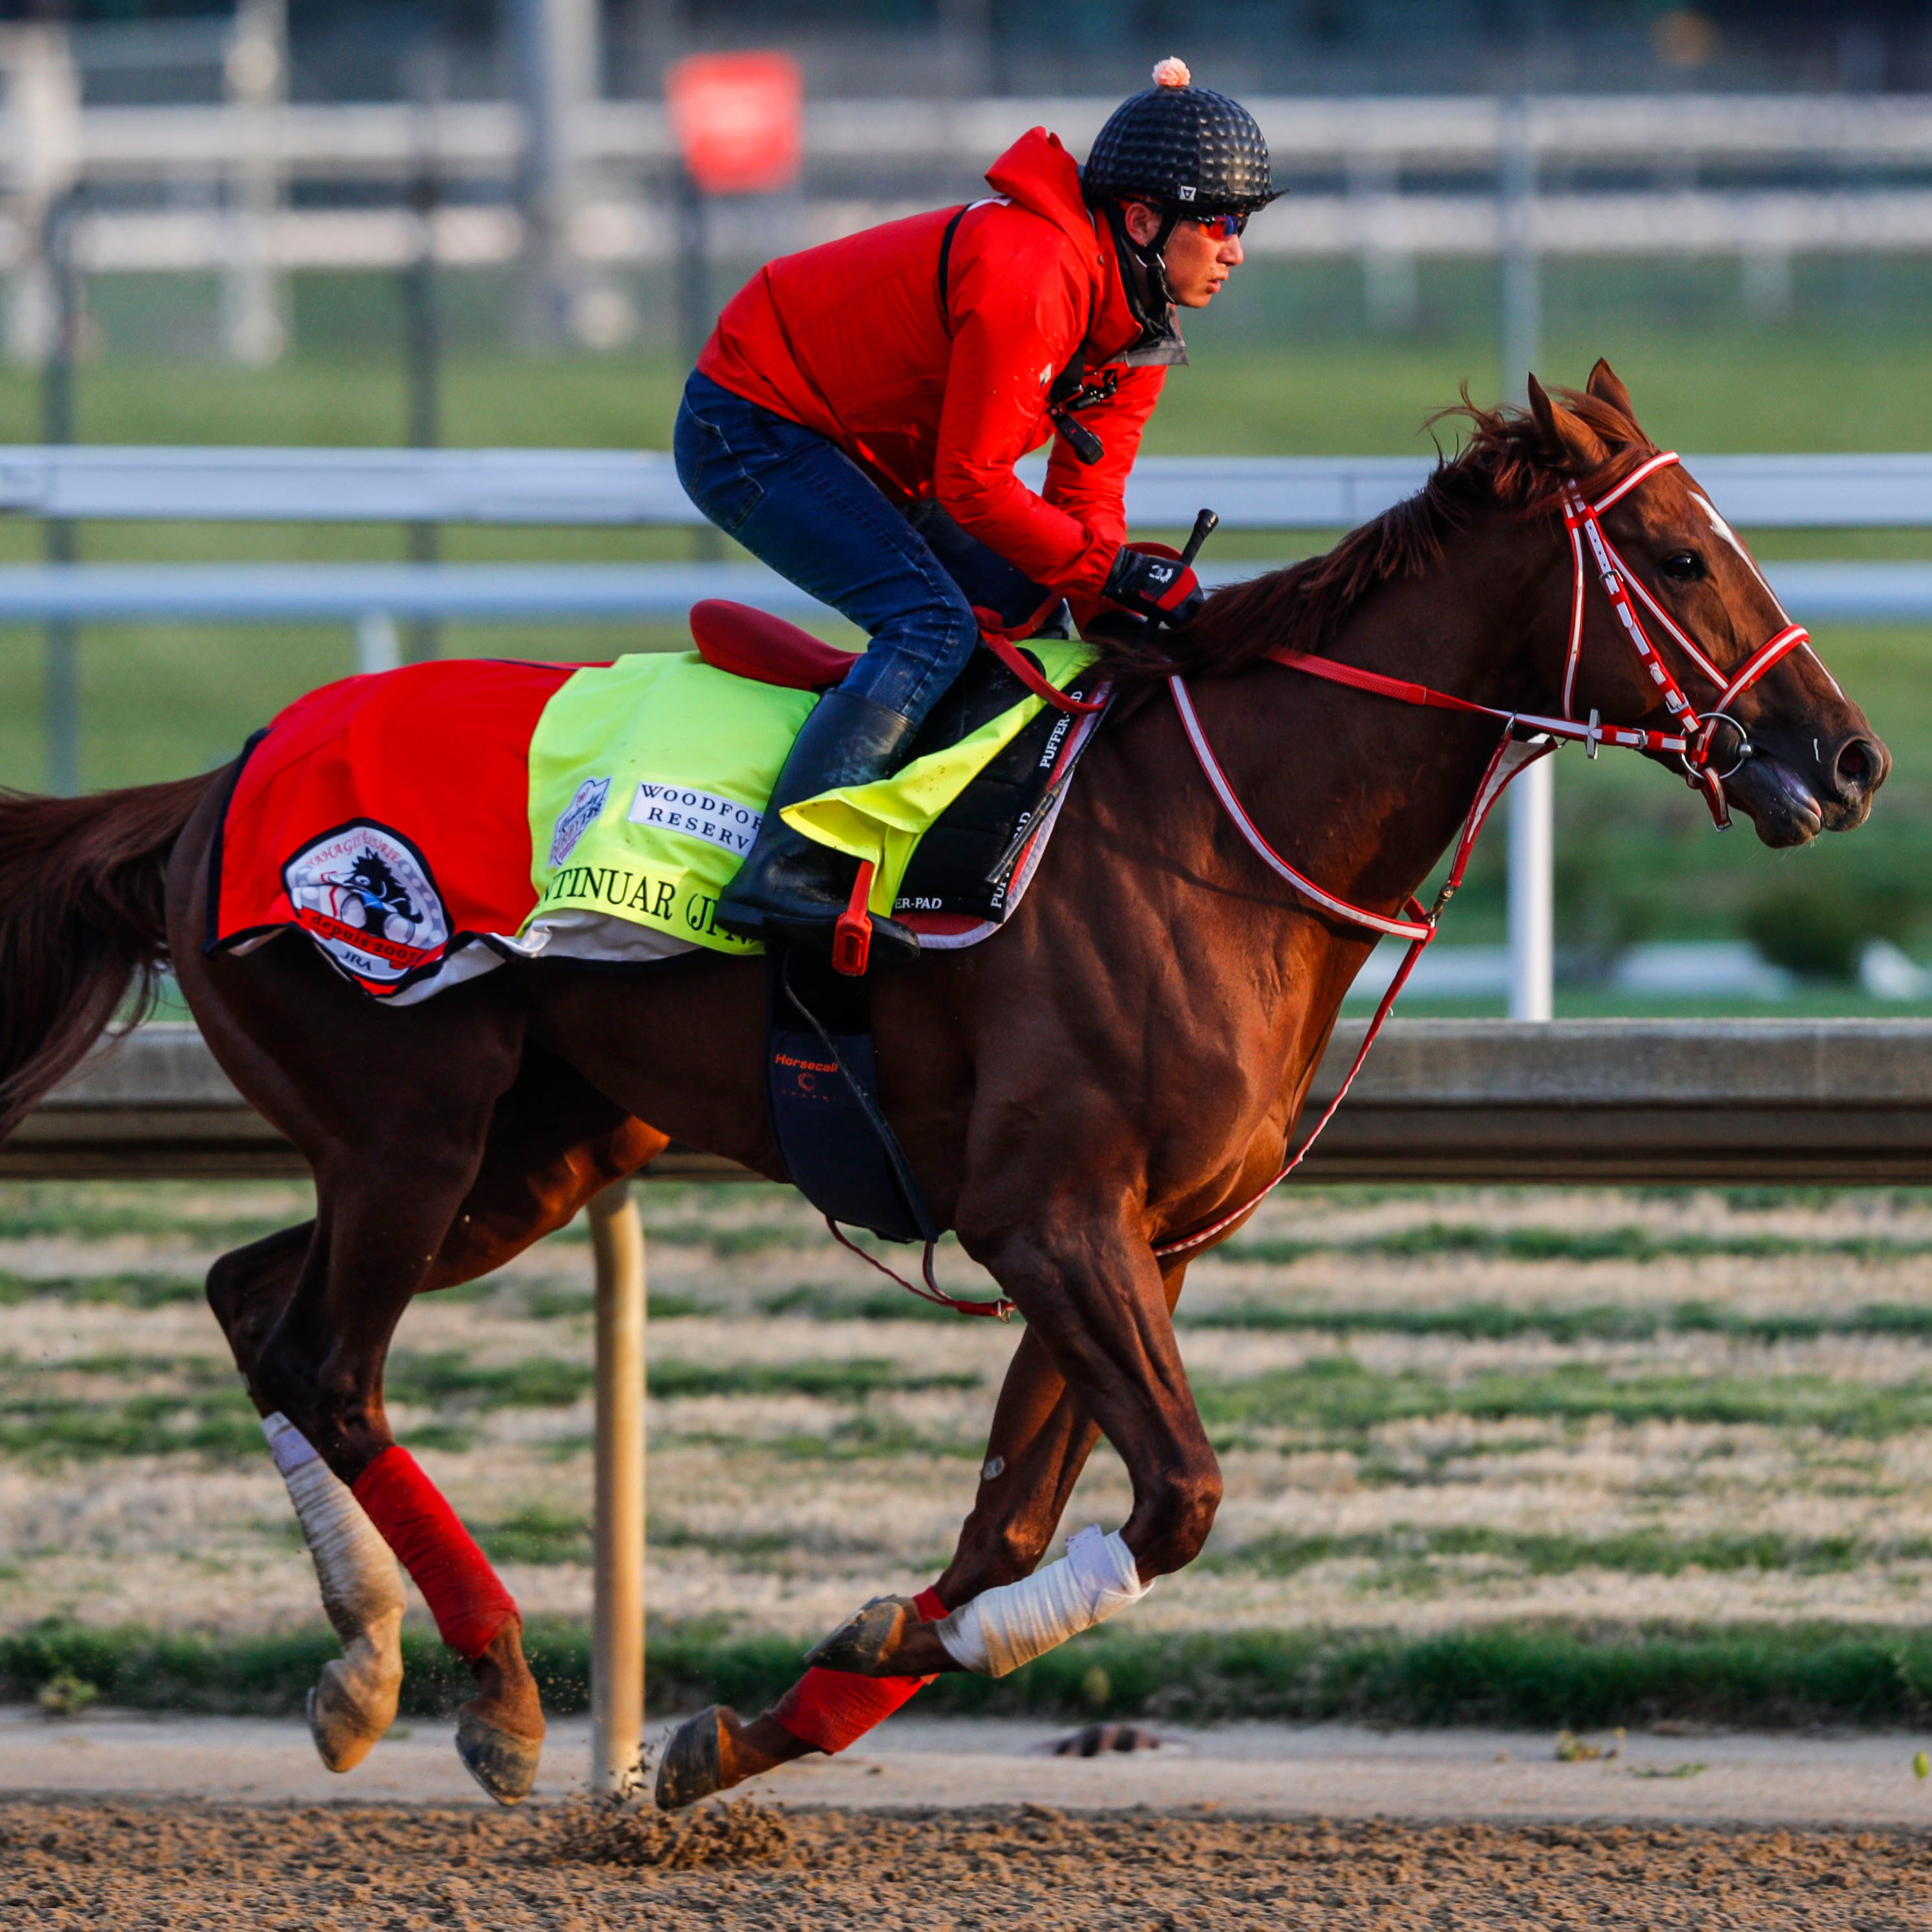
(1038, 174)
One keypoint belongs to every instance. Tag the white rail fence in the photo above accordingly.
(83, 483)
(1389, 181)
(1880, 490)
(1373, 144)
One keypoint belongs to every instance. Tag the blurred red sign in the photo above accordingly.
(739, 119)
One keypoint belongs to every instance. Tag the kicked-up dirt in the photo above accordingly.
(194, 1867)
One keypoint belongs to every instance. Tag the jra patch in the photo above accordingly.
(364, 893)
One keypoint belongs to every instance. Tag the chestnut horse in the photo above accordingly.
(1120, 1068)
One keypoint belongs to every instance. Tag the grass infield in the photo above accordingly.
(1531, 1676)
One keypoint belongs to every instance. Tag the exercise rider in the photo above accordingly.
(855, 418)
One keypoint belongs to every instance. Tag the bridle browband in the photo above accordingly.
(1525, 738)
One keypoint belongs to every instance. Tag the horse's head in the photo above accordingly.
(1806, 757)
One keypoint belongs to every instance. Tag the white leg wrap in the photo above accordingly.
(361, 1584)
(1000, 1630)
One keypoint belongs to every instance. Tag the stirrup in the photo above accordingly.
(852, 936)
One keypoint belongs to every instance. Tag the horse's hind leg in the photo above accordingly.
(354, 1703)
(393, 1113)
(383, 1213)
(554, 1142)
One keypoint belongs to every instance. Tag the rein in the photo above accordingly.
(1525, 738)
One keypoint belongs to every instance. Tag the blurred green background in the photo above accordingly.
(1286, 363)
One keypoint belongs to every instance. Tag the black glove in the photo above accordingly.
(1162, 588)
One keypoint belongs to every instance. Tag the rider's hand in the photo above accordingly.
(1160, 587)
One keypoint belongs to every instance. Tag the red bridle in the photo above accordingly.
(1584, 522)
(1525, 738)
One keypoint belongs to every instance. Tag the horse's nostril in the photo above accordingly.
(1857, 765)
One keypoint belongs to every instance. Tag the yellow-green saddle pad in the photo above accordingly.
(648, 778)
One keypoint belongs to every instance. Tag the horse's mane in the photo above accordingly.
(1507, 461)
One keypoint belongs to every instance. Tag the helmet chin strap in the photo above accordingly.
(1152, 301)
(1154, 257)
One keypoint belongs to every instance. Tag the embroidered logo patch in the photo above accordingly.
(719, 821)
(577, 818)
(365, 894)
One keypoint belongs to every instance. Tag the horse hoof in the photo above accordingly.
(866, 1641)
(354, 1703)
(504, 1764)
(693, 1764)
(344, 1730)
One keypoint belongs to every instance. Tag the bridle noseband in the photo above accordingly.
(1524, 739)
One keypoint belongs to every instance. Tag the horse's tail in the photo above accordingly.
(83, 888)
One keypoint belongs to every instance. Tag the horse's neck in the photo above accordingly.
(1360, 792)
(1364, 793)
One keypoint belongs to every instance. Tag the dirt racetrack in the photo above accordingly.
(195, 1868)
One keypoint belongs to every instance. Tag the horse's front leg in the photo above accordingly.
(1093, 1294)
(1040, 1440)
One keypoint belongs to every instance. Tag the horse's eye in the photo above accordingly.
(1686, 565)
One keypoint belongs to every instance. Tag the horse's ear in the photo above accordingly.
(1607, 387)
(1567, 437)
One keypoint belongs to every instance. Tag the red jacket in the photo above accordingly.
(849, 340)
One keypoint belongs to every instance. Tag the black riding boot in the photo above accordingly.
(791, 888)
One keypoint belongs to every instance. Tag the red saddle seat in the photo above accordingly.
(755, 644)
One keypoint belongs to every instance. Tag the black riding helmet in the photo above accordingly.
(1178, 146)
(1185, 150)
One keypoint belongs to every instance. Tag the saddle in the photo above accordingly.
(755, 644)
(427, 826)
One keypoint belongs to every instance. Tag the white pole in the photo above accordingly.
(43, 162)
(252, 292)
(1532, 837)
(617, 1620)
(558, 52)
(1532, 959)
(378, 646)
(1516, 222)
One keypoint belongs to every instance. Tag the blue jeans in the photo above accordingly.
(801, 505)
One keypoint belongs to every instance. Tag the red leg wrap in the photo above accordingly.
(833, 1708)
(470, 1605)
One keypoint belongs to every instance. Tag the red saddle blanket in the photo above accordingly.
(389, 818)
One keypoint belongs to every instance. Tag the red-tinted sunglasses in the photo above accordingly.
(1227, 227)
